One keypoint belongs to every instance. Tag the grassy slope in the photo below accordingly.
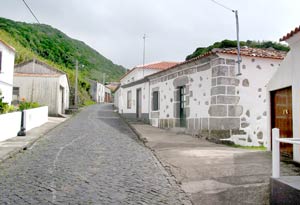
(55, 48)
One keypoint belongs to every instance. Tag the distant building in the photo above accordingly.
(38, 82)
(133, 94)
(108, 97)
(97, 91)
(7, 59)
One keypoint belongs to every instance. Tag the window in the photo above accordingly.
(155, 101)
(0, 61)
(129, 99)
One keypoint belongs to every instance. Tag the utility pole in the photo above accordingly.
(238, 42)
(239, 60)
(76, 86)
(144, 52)
(104, 78)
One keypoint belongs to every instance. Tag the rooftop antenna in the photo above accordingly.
(239, 60)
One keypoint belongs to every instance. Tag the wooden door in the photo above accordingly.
(138, 103)
(282, 117)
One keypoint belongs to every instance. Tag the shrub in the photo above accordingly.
(27, 105)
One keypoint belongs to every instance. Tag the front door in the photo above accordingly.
(138, 103)
(282, 117)
(182, 98)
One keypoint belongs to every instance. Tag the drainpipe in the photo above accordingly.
(22, 131)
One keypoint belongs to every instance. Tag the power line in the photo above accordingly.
(225, 7)
(31, 11)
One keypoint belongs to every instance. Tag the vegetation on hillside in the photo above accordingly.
(57, 49)
(231, 44)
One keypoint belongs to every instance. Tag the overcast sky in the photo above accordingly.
(174, 28)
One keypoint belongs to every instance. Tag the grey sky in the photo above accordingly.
(174, 28)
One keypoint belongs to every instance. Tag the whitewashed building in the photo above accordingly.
(206, 97)
(284, 96)
(97, 91)
(7, 60)
(133, 93)
(38, 82)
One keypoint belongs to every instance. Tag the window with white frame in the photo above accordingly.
(129, 96)
(155, 101)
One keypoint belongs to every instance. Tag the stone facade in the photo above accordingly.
(218, 103)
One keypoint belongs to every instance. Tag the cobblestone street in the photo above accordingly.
(93, 158)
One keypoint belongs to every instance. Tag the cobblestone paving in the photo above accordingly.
(94, 158)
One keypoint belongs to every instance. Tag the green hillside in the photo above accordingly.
(56, 48)
(230, 44)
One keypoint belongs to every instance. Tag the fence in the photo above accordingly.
(35, 117)
(276, 150)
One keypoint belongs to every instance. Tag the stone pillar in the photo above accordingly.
(224, 110)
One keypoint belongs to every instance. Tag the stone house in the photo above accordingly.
(284, 96)
(38, 82)
(7, 59)
(133, 94)
(206, 97)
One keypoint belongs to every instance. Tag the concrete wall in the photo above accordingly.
(288, 74)
(35, 117)
(63, 94)
(10, 125)
(6, 74)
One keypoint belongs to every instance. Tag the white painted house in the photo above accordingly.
(7, 59)
(38, 82)
(284, 96)
(97, 91)
(133, 94)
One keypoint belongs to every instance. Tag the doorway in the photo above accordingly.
(138, 103)
(282, 117)
(182, 104)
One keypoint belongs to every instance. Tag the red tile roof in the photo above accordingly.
(245, 51)
(155, 66)
(159, 65)
(290, 34)
(255, 52)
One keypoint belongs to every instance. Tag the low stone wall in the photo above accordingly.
(10, 125)
(35, 117)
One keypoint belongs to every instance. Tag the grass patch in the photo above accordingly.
(261, 148)
(89, 102)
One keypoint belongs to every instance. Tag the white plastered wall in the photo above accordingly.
(288, 75)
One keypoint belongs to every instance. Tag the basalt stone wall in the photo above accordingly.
(224, 110)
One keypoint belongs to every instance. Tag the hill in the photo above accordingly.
(56, 48)
(230, 44)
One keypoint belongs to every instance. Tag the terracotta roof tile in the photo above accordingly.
(245, 51)
(159, 65)
(290, 34)
(155, 66)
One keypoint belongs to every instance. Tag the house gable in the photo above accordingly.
(36, 67)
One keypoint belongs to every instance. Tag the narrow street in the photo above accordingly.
(93, 158)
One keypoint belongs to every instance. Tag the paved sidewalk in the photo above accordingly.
(212, 173)
(12, 146)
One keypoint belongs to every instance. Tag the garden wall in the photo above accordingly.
(35, 117)
(10, 125)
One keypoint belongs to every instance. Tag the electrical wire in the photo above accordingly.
(31, 11)
(225, 7)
